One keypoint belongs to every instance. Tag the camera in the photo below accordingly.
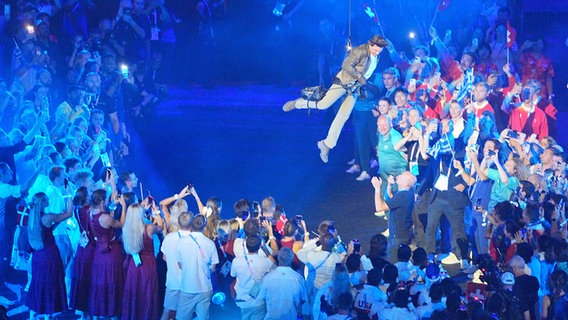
(255, 208)
(299, 219)
(356, 246)
(262, 219)
(245, 215)
(526, 93)
(512, 134)
(124, 71)
(331, 228)
(478, 204)
(491, 153)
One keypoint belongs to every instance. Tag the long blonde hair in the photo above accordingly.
(133, 229)
(177, 208)
(39, 203)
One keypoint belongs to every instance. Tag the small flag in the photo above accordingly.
(443, 5)
(371, 12)
(511, 35)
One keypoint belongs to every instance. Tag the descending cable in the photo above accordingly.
(348, 47)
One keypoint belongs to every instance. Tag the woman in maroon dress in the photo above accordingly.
(81, 280)
(47, 294)
(107, 277)
(141, 287)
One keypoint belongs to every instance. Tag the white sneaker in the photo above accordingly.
(363, 176)
(351, 162)
(451, 258)
(353, 169)
(289, 106)
(324, 151)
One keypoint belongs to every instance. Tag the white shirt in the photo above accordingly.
(397, 314)
(173, 275)
(239, 248)
(284, 291)
(246, 280)
(196, 263)
(39, 185)
(426, 310)
(323, 261)
(56, 206)
(372, 66)
(369, 297)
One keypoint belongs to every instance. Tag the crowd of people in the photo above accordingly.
(469, 174)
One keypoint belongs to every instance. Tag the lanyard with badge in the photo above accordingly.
(443, 180)
(256, 287)
(200, 251)
(226, 267)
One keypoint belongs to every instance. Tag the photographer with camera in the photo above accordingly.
(524, 114)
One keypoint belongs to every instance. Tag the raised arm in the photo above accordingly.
(164, 204)
(380, 204)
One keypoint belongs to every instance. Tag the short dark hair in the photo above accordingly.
(353, 262)
(71, 162)
(290, 228)
(327, 242)
(404, 253)
(251, 227)
(198, 223)
(253, 243)
(240, 206)
(374, 277)
(378, 40)
(55, 172)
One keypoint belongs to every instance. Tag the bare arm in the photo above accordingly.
(380, 204)
(50, 219)
(199, 203)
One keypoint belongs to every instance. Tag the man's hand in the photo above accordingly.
(433, 32)
(376, 182)
(460, 187)
(390, 180)
(458, 165)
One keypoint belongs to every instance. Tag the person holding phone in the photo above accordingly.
(524, 115)
(141, 284)
(57, 192)
(107, 280)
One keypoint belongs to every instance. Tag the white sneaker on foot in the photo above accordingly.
(289, 106)
(363, 176)
(324, 151)
(353, 169)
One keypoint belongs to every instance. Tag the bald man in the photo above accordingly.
(400, 204)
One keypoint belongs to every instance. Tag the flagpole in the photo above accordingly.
(435, 16)
(507, 55)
